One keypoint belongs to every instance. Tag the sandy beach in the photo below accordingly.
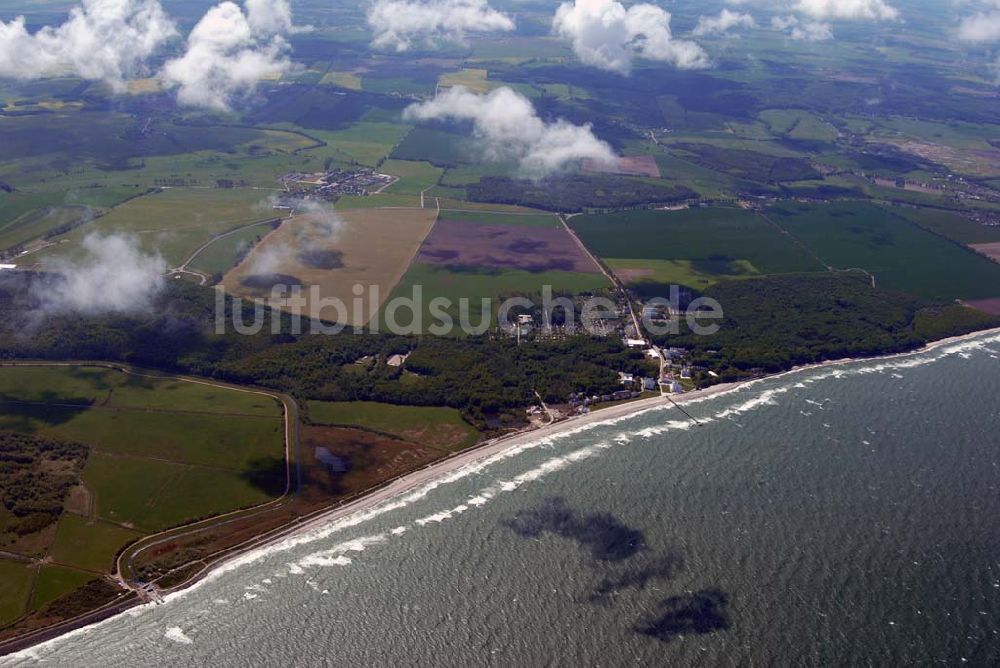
(431, 473)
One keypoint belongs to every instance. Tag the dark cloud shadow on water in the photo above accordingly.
(605, 537)
(624, 562)
(661, 568)
(699, 613)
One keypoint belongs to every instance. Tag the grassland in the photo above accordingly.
(383, 200)
(414, 177)
(88, 544)
(799, 124)
(26, 216)
(364, 143)
(498, 218)
(226, 252)
(373, 247)
(16, 580)
(162, 452)
(173, 223)
(708, 237)
(54, 582)
(437, 427)
(900, 254)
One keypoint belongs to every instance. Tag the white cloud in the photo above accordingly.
(871, 10)
(803, 31)
(606, 35)
(983, 27)
(723, 23)
(508, 129)
(102, 40)
(228, 53)
(397, 24)
(269, 17)
(114, 275)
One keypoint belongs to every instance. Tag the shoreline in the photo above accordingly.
(488, 449)
(416, 479)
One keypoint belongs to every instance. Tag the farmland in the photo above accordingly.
(477, 255)
(838, 197)
(710, 238)
(475, 284)
(533, 248)
(372, 247)
(900, 254)
(130, 455)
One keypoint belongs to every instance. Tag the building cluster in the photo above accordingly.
(332, 185)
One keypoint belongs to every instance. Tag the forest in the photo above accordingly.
(35, 477)
(773, 324)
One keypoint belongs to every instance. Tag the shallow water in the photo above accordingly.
(847, 515)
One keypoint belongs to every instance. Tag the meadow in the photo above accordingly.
(160, 452)
(433, 426)
(173, 223)
(470, 217)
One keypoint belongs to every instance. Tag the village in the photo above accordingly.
(332, 185)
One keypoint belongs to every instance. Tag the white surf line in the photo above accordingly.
(765, 398)
(372, 506)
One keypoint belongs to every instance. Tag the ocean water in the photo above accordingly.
(846, 515)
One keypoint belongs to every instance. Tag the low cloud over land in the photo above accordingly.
(397, 24)
(102, 40)
(113, 275)
(605, 34)
(509, 130)
(229, 52)
(726, 20)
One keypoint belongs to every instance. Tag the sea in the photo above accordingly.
(845, 515)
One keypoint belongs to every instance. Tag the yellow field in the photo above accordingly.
(144, 86)
(347, 80)
(371, 247)
(474, 79)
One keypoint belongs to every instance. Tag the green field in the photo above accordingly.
(441, 427)
(88, 545)
(440, 148)
(226, 252)
(901, 255)
(365, 143)
(705, 236)
(381, 200)
(163, 451)
(798, 124)
(16, 579)
(113, 389)
(174, 222)
(693, 274)
(950, 225)
(473, 285)
(54, 582)
(487, 218)
(27, 216)
(414, 177)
